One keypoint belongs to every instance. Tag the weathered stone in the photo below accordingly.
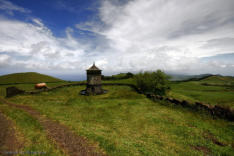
(148, 95)
(224, 112)
(160, 97)
(157, 96)
(175, 101)
(185, 103)
(169, 99)
(12, 91)
(198, 104)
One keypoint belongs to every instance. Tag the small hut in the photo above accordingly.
(94, 81)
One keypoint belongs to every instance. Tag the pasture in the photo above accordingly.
(122, 122)
(214, 90)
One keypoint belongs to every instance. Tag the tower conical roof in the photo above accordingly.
(93, 67)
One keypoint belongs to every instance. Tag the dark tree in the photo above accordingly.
(153, 82)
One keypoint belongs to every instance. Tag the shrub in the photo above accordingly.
(129, 75)
(152, 82)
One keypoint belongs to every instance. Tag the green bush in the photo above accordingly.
(153, 82)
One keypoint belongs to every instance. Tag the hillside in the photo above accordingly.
(214, 90)
(29, 77)
(219, 80)
(180, 77)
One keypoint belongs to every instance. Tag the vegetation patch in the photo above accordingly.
(153, 82)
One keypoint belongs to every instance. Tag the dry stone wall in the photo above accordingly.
(12, 91)
(218, 111)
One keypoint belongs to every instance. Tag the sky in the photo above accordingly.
(64, 37)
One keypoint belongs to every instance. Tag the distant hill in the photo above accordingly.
(29, 77)
(178, 77)
(173, 77)
(218, 79)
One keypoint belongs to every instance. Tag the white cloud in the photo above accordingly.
(148, 24)
(10, 7)
(171, 35)
(132, 36)
(37, 43)
(32, 46)
(220, 44)
(4, 60)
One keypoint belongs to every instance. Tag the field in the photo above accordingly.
(214, 90)
(122, 122)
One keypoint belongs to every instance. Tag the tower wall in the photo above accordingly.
(94, 79)
(94, 84)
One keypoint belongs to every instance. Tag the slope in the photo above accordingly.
(29, 77)
(214, 90)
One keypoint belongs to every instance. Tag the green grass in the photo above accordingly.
(31, 133)
(123, 122)
(29, 77)
(215, 90)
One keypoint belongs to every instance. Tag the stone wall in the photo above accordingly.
(218, 111)
(12, 91)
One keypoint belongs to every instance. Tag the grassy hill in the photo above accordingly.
(180, 77)
(210, 89)
(215, 90)
(218, 80)
(29, 77)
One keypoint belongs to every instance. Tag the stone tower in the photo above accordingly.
(94, 81)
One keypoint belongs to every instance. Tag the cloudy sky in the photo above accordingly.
(64, 37)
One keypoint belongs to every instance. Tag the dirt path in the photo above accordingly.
(8, 141)
(69, 142)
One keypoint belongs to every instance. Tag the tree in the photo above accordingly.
(129, 75)
(152, 82)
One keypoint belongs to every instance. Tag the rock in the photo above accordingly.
(185, 103)
(12, 91)
(175, 101)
